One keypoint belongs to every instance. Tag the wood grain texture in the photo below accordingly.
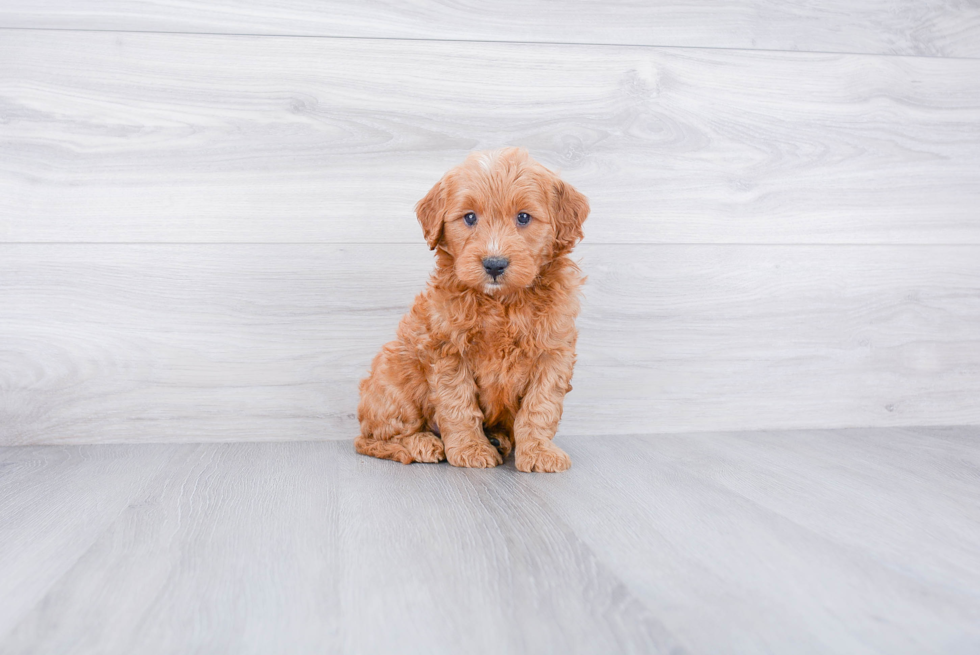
(812, 542)
(905, 27)
(55, 503)
(298, 548)
(249, 342)
(113, 137)
(852, 529)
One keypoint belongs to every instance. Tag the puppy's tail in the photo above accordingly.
(383, 449)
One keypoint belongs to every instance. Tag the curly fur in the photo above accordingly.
(480, 366)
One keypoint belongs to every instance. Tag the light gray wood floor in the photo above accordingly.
(844, 541)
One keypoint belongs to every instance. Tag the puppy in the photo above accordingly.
(483, 360)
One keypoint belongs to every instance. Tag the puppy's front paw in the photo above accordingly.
(474, 454)
(541, 457)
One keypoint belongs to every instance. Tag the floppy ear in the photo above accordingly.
(430, 211)
(570, 210)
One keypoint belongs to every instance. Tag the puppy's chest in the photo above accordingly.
(501, 354)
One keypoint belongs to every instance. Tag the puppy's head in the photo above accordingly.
(501, 216)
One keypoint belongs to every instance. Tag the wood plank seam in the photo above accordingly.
(597, 44)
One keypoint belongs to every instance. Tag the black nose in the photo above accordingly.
(494, 266)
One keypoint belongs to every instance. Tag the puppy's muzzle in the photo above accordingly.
(495, 266)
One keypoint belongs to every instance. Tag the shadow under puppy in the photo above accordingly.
(482, 362)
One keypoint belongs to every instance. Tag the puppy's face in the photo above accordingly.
(501, 216)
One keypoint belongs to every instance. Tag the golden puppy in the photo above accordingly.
(482, 362)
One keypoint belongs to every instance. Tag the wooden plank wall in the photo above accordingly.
(206, 224)
(937, 28)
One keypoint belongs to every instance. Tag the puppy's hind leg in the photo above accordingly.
(417, 447)
(391, 420)
(400, 440)
(424, 447)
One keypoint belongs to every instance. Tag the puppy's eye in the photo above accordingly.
(523, 218)
(469, 218)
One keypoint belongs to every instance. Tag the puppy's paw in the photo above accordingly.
(501, 440)
(474, 454)
(425, 447)
(541, 457)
